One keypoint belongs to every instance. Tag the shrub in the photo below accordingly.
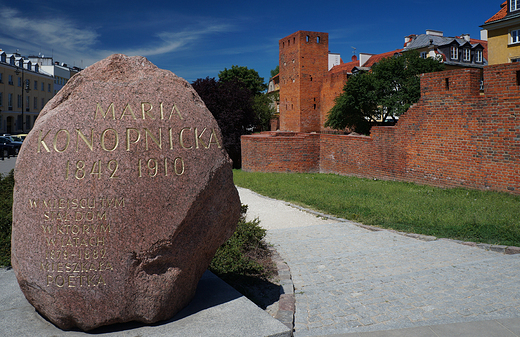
(6, 217)
(239, 254)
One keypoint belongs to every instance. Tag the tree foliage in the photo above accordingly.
(275, 71)
(232, 106)
(249, 77)
(264, 109)
(386, 91)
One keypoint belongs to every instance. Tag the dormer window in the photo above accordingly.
(478, 56)
(454, 53)
(514, 5)
(467, 55)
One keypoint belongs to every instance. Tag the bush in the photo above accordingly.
(6, 217)
(238, 255)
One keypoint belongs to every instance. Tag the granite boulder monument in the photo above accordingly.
(123, 194)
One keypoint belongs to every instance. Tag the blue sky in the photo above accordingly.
(196, 39)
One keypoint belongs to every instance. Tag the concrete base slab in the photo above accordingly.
(216, 310)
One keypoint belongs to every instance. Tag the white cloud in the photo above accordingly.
(173, 41)
(71, 44)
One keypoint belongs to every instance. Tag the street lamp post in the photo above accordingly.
(27, 89)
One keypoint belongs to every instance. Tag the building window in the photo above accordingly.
(317, 39)
(43, 102)
(467, 54)
(11, 79)
(19, 81)
(454, 53)
(10, 101)
(3, 58)
(514, 5)
(1, 99)
(1, 78)
(424, 54)
(478, 56)
(49, 87)
(307, 38)
(35, 103)
(27, 101)
(35, 85)
(515, 36)
(19, 101)
(43, 86)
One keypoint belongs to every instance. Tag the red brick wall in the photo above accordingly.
(281, 152)
(331, 88)
(454, 136)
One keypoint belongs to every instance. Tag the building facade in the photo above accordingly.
(24, 90)
(503, 31)
(455, 52)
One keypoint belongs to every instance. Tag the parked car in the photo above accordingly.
(14, 147)
(21, 137)
(6, 148)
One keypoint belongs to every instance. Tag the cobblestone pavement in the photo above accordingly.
(350, 279)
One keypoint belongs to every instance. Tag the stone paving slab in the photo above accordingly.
(349, 279)
(216, 310)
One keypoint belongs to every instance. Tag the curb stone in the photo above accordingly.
(287, 301)
(508, 250)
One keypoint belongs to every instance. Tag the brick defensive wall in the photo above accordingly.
(455, 136)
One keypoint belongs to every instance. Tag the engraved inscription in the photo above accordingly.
(77, 236)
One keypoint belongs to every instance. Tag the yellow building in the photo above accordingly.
(24, 90)
(503, 31)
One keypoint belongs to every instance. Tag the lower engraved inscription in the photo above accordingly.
(76, 241)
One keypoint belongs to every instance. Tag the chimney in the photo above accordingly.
(434, 32)
(354, 58)
(465, 37)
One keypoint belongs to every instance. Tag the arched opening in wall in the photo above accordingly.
(294, 40)
(314, 106)
(518, 77)
(288, 43)
(447, 83)
(317, 39)
(311, 78)
(283, 44)
(307, 38)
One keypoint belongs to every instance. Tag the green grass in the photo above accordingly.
(469, 215)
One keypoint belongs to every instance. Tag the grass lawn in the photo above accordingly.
(469, 215)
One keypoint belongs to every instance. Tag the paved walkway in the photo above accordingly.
(350, 280)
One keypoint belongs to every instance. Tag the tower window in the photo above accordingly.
(317, 39)
(307, 38)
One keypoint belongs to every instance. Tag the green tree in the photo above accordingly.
(275, 71)
(249, 77)
(386, 91)
(264, 109)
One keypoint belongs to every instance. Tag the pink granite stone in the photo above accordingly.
(123, 194)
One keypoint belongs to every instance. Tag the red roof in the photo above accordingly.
(376, 58)
(345, 66)
(500, 15)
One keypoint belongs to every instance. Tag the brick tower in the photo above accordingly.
(303, 63)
